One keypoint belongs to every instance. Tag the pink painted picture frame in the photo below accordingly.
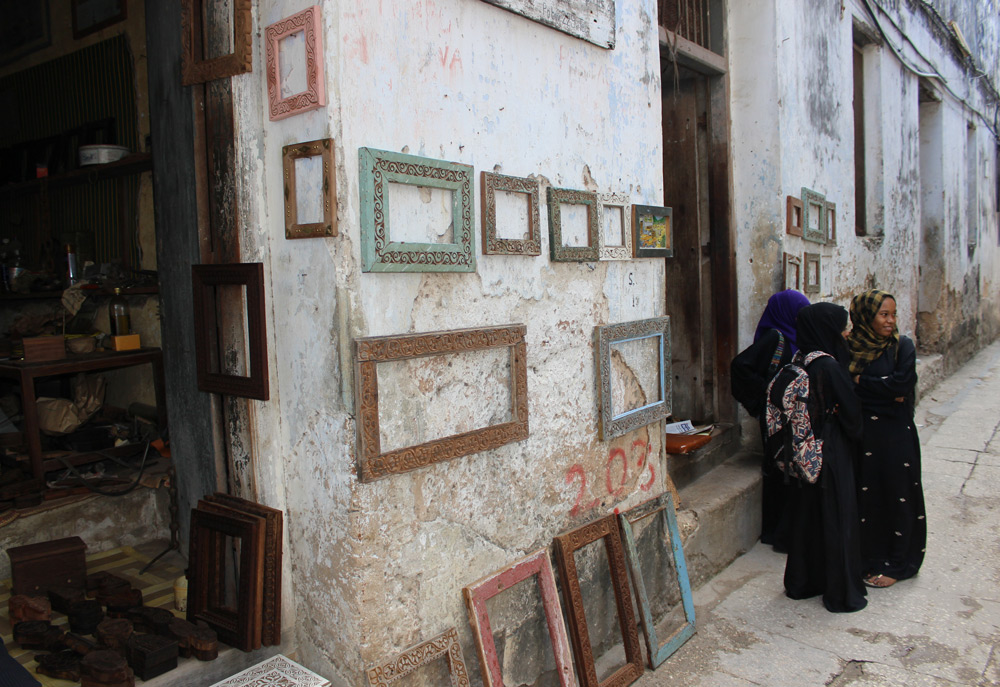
(308, 21)
(477, 594)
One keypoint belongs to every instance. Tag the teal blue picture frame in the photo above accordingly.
(379, 253)
(656, 652)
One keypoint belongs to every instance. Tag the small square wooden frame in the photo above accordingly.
(322, 148)
(377, 169)
(566, 546)
(556, 198)
(368, 352)
(239, 627)
(445, 646)
(811, 285)
(791, 272)
(490, 183)
(477, 594)
(621, 251)
(793, 216)
(817, 233)
(606, 336)
(250, 276)
(239, 61)
(831, 224)
(314, 96)
(653, 227)
(656, 652)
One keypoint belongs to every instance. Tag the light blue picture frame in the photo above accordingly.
(656, 652)
(379, 253)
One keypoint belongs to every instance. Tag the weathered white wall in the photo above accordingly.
(373, 568)
(811, 144)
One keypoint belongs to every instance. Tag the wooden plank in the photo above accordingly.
(692, 55)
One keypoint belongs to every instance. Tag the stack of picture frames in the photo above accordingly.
(235, 558)
(813, 218)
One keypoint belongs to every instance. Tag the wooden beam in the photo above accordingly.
(691, 55)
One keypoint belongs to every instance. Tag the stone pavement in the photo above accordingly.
(941, 628)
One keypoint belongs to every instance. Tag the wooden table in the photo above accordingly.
(27, 373)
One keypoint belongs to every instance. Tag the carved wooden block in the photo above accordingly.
(207, 575)
(62, 665)
(152, 620)
(85, 615)
(36, 567)
(373, 464)
(79, 644)
(476, 595)
(444, 646)
(37, 634)
(62, 597)
(103, 668)
(114, 633)
(21, 607)
(270, 632)
(151, 655)
(657, 652)
(566, 545)
(199, 641)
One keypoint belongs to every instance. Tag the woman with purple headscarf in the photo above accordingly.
(750, 373)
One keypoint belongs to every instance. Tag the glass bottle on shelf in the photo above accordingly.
(118, 314)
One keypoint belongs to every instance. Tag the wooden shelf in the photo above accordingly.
(133, 164)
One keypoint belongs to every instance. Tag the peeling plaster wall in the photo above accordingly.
(374, 568)
(810, 99)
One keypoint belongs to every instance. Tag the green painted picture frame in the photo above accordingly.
(379, 253)
(813, 229)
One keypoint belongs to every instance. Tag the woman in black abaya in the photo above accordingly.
(824, 550)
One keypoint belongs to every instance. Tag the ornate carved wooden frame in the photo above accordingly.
(490, 183)
(810, 198)
(251, 276)
(322, 148)
(656, 652)
(308, 21)
(831, 223)
(809, 285)
(566, 545)
(372, 463)
(270, 633)
(617, 252)
(379, 253)
(239, 627)
(239, 61)
(794, 213)
(612, 425)
(791, 271)
(476, 595)
(645, 242)
(445, 646)
(557, 197)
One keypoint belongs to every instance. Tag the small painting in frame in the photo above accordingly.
(654, 232)
(306, 22)
(812, 273)
(792, 272)
(90, 16)
(793, 216)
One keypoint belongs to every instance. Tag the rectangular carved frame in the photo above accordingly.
(647, 243)
(251, 276)
(810, 198)
(791, 271)
(445, 646)
(322, 148)
(377, 169)
(566, 546)
(368, 352)
(831, 223)
(656, 652)
(612, 425)
(556, 197)
(809, 285)
(490, 183)
(314, 96)
(238, 627)
(476, 595)
(270, 632)
(793, 216)
(240, 61)
(619, 200)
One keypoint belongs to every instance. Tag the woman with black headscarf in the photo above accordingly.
(824, 550)
(891, 500)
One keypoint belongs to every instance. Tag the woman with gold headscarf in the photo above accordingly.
(890, 496)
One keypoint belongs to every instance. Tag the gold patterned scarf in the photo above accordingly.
(864, 343)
